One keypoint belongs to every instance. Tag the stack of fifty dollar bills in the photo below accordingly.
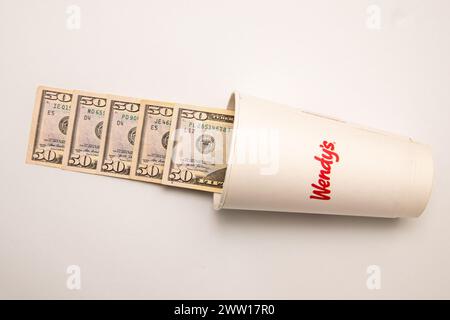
(160, 142)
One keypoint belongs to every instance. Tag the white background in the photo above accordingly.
(138, 240)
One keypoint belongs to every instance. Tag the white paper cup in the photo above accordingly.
(285, 159)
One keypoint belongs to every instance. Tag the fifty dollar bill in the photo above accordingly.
(118, 136)
(197, 152)
(49, 126)
(152, 138)
(85, 131)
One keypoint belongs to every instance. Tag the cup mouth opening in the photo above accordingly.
(425, 171)
(233, 104)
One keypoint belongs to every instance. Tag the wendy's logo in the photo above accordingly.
(321, 189)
